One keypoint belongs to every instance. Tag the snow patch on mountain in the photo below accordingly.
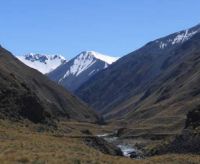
(105, 58)
(178, 38)
(41, 62)
(81, 63)
(162, 45)
(182, 37)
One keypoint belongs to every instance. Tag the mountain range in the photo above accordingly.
(25, 93)
(143, 104)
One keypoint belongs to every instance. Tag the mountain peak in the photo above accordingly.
(102, 57)
(42, 62)
(79, 69)
(42, 57)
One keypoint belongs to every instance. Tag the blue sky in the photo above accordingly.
(113, 27)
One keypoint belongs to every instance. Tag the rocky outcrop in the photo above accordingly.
(103, 146)
(189, 140)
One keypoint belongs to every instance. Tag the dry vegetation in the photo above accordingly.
(30, 143)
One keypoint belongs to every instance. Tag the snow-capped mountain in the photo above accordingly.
(79, 69)
(41, 62)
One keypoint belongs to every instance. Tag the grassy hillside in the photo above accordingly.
(33, 143)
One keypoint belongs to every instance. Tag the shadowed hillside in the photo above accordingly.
(26, 93)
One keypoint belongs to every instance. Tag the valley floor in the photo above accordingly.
(30, 143)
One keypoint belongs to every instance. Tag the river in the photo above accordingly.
(127, 149)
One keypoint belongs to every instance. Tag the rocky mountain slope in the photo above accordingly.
(26, 93)
(81, 68)
(151, 89)
(41, 62)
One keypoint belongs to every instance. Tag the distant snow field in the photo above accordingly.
(42, 63)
